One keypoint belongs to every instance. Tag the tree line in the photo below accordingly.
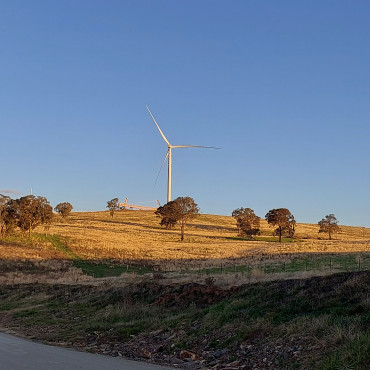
(282, 219)
(28, 212)
(183, 209)
(248, 223)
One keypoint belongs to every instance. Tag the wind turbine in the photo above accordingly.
(169, 154)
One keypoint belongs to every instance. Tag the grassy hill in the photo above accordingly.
(137, 234)
(133, 241)
(124, 286)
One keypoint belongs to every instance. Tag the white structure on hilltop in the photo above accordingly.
(169, 154)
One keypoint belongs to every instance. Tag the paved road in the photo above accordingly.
(22, 354)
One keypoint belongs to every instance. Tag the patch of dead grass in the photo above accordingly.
(137, 235)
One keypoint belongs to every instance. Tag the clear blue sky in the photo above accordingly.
(282, 86)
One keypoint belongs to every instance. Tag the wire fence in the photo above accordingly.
(334, 263)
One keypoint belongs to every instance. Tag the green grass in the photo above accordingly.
(60, 244)
(25, 313)
(355, 354)
(19, 239)
(334, 263)
(92, 268)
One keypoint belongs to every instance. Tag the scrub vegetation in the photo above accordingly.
(321, 322)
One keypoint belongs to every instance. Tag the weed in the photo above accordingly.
(354, 354)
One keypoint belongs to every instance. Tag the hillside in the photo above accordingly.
(124, 286)
(134, 242)
(316, 323)
(138, 235)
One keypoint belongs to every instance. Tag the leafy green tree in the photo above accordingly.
(283, 219)
(246, 221)
(113, 206)
(180, 210)
(329, 225)
(30, 211)
(64, 208)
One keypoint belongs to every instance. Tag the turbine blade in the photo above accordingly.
(165, 158)
(164, 137)
(194, 146)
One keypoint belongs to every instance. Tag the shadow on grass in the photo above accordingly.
(99, 269)
(272, 239)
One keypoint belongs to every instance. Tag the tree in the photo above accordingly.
(30, 211)
(4, 214)
(64, 208)
(329, 225)
(283, 219)
(167, 216)
(237, 214)
(113, 206)
(246, 221)
(180, 210)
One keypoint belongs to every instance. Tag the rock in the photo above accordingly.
(219, 353)
(184, 354)
(146, 354)
(235, 364)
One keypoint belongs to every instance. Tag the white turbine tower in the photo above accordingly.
(169, 154)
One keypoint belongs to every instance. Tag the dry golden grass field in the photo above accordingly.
(137, 235)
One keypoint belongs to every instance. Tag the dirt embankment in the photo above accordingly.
(267, 325)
